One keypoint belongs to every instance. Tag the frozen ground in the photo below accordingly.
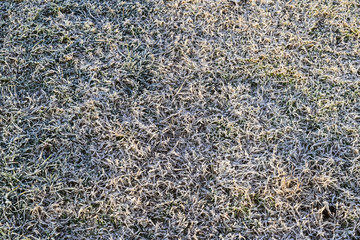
(179, 119)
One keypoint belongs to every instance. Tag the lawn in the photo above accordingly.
(179, 119)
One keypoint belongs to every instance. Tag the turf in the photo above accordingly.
(183, 119)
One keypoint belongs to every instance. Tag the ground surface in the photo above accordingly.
(179, 119)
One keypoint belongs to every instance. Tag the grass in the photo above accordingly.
(192, 119)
